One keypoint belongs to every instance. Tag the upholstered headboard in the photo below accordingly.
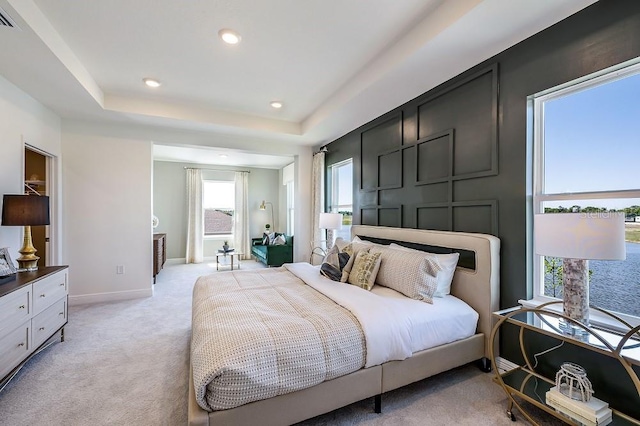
(477, 282)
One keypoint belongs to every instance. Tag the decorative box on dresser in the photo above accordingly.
(33, 308)
(159, 253)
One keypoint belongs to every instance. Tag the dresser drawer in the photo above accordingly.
(15, 308)
(48, 290)
(48, 322)
(15, 347)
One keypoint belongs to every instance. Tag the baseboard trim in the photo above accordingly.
(505, 365)
(84, 299)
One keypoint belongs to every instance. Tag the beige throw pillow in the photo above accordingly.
(448, 263)
(364, 270)
(409, 273)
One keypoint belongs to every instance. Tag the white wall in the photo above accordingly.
(169, 202)
(107, 221)
(24, 120)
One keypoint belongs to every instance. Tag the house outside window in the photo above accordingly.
(218, 204)
(341, 195)
(585, 160)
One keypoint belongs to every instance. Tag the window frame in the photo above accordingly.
(333, 206)
(539, 197)
(226, 236)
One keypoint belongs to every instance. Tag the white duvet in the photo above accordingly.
(394, 326)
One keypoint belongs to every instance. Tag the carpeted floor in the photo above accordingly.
(126, 363)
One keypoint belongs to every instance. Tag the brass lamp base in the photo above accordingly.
(28, 261)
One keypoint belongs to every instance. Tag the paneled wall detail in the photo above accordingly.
(381, 215)
(380, 149)
(470, 108)
(419, 156)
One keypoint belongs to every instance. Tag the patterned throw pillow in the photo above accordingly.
(365, 269)
(448, 263)
(409, 273)
(279, 240)
(265, 239)
(352, 249)
(333, 264)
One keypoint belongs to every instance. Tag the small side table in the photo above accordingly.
(231, 255)
(524, 382)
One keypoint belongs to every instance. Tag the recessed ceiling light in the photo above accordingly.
(229, 36)
(276, 104)
(151, 82)
(223, 155)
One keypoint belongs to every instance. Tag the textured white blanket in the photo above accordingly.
(386, 328)
(259, 334)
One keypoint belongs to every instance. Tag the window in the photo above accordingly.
(290, 206)
(585, 160)
(218, 204)
(288, 175)
(341, 196)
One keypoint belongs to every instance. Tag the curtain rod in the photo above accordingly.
(217, 170)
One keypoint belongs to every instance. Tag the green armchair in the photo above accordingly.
(273, 255)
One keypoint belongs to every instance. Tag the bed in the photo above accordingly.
(476, 282)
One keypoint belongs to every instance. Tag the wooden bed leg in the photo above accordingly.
(378, 404)
(485, 364)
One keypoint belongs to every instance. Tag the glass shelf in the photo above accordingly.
(549, 324)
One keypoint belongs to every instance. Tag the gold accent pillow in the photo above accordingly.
(365, 269)
(352, 250)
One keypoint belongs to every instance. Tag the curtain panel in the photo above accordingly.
(241, 238)
(195, 217)
(317, 199)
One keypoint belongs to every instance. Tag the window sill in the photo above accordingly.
(218, 237)
(595, 318)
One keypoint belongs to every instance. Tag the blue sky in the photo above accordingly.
(592, 140)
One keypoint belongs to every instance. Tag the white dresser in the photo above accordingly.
(33, 308)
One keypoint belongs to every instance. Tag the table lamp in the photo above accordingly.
(330, 222)
(577, 238)
(27, 211)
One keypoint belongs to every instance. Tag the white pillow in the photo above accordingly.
(409, 273)
(447, 262)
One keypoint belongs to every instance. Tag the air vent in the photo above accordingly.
(5, 20)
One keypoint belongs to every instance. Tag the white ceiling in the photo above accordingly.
(336, 65)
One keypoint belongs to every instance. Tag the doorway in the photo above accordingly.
(36, 166)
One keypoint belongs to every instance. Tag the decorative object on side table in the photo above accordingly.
(7, 268)
(578, 237)
(27, 211)
(330, 222)
(571, 396)
(225, 246)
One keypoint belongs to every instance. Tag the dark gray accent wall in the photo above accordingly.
(456, 157)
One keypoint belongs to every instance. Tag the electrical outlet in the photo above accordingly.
(120, 269)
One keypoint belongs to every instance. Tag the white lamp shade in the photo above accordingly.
(330, 221)
(591, 236)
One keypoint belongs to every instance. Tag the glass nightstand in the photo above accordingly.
(523, 382)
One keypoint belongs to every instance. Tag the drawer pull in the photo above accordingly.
(42, 295)
(20, 345)
(41, 328)
(21, 307)
(61, 284)
(61, 313)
